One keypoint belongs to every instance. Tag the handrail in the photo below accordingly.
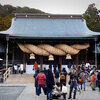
(7, 73)
(2, 69)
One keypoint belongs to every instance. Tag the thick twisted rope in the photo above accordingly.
(24, 49)
(46, 50)
(80, 47)
(36, 50)
(67, 49)
(52, 50)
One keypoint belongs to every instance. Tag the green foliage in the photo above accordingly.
(5, 23)
(6, 14)
(92, 17)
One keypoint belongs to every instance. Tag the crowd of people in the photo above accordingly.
(18, 69)
(54, 84)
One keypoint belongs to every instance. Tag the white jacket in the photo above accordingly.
(64, 89)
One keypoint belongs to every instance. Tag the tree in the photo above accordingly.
(3, 24)
(92, 17)
(6, 14)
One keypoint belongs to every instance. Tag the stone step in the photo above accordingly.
(20, 79)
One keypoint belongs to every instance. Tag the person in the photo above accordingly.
(41, 79)
(45, 71)
(50, 67)
(36, 83)
(55, 66)
(21, 68)
(93, 81)
(49, 84)
(83, 77)
(65, 73)
(56, 76)
(98, 76)
(62, 79)
(64, 91)
(56, 91)
(35, 66)
(73, 85)
(59, 68)
(15, 69)
(69, 64)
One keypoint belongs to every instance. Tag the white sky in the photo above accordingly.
(55, 6)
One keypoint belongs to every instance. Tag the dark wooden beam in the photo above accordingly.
(41, 62)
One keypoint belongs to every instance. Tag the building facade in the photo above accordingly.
(45, 36)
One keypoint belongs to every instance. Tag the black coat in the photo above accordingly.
(98, 76)
(36, 83)
(49, 81)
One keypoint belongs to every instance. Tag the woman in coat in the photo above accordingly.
(41, 79)
(83, 77)
(49, 83)
(93, 81)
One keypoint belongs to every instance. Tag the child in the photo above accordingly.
(64, 91)
(56, 91)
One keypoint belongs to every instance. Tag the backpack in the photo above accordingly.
(62, 77)
(79, 79)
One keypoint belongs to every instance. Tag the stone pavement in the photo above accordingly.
(27, 92)
(10, 92)
(21, 87)
(20, 79)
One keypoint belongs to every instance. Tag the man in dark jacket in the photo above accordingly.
(36, 83)
(98, 76)
(49, 83)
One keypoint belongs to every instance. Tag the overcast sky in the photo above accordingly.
(55, 6)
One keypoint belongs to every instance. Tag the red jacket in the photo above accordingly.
(41, 78)
(35, 65)
(93, 78)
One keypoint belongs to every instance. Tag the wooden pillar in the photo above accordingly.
(60, 62)
(24, 62)
(77, 60)
(13, 56)
(86, 55)
(96, 52)
(41, 62)
(7, 39)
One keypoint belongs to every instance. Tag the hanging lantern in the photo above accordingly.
(32, 56)
(68, 56)
(51, 57)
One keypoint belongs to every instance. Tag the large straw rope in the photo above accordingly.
(24, 49)
(52, 49)
(46, 50)
(80, 46)
(37, 50)
(67, 49)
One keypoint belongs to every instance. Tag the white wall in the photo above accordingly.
(29, 68)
